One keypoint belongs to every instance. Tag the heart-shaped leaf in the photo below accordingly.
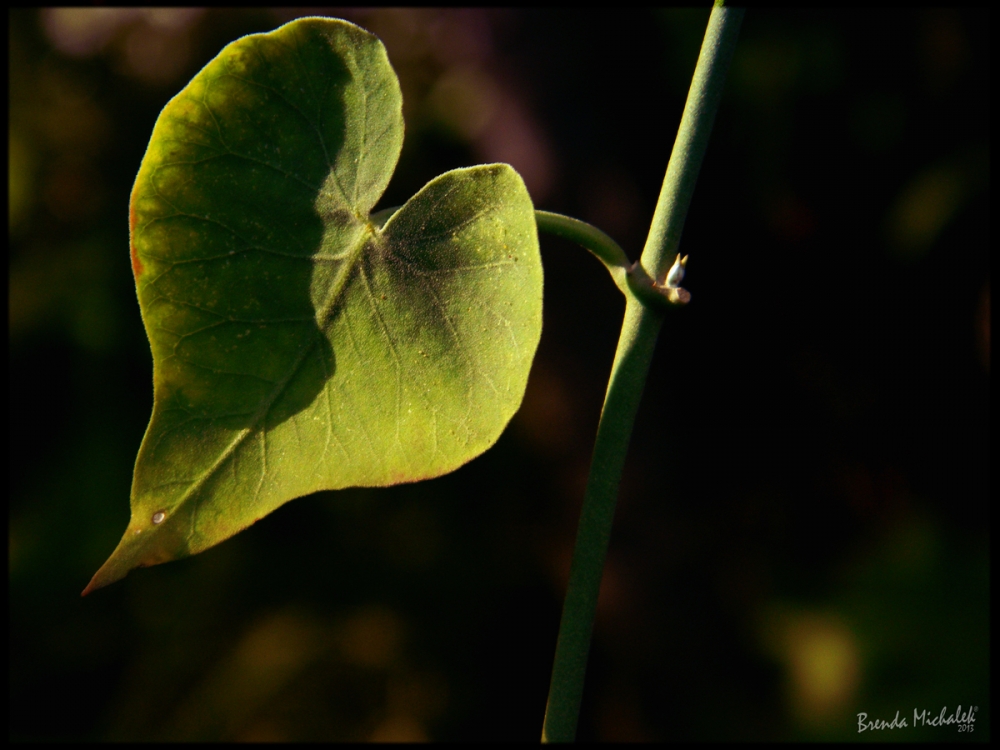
(297, 345)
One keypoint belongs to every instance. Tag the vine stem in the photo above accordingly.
(640, 329)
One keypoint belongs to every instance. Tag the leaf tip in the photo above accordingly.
(144, 543)
(105, 576)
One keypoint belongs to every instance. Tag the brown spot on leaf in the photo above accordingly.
(136, 263)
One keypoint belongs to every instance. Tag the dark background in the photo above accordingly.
(802, 533)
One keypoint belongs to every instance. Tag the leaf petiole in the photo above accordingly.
(630, 278)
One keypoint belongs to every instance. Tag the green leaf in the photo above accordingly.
(298, 346)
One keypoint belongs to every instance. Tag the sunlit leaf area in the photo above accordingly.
(802, 534)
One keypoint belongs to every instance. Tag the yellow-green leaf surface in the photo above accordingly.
(298, 346)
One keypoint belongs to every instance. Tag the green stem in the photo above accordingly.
(640, 329)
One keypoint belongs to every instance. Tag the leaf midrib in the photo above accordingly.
(323, 319)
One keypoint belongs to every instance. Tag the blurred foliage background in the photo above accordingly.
(803, 528)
